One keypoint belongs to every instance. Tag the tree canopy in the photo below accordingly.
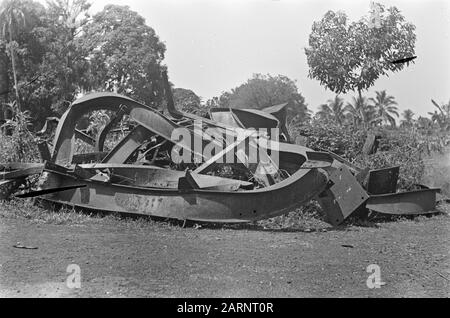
(187, 101)
(53, 53)
(125, 54)
(350, 56)
(262, 91)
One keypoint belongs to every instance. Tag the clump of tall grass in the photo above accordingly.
(17, 142)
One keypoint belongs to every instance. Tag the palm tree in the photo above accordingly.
(436, 118)
(11, 15)
(359, 111)
(385, 107)
(424, 123)
(443, 117)
(408, 116)
(333, 110)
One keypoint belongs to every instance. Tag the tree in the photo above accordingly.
(12, 17)
(4, 80)
(333, 110)
(187, 101)
(61, 72)
(126, 55)
(346, 56)
(385, 108)
(442, 118)
(28, 54)
(262, 91)
(359, 111)
(216, 102)
(408, 116)
(424, 123)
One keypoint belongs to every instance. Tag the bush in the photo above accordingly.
(20, 145)
(404, 148)
(345, 141)
(398, 147)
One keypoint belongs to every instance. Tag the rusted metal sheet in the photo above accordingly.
(33, 194)
(343, 197)
(225, 116)
(253, 118)
(198, 181)
(404, 203)
(44, 151)
(317, 160)
(13, 175)
(128, 145)
(11, 166)
(88, 157)
(280, 113)
(371, 144)
(21, 173)
(383, 181)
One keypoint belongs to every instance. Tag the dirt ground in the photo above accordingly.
(153, 259)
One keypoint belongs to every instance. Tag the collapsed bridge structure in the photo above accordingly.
(140, 175)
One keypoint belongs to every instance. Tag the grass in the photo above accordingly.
(304, 218)
(25, 209)
(307, 218)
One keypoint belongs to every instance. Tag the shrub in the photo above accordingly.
(20, 145)
(398, 147)
(404, 148)
(345, 141)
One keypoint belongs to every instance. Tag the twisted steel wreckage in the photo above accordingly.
(139, 174)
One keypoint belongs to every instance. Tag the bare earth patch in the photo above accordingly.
(143, 258)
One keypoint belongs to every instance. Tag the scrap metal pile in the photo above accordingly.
(140, 174)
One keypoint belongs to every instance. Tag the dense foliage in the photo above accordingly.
(406, 147)
(344, 141)
(350, 56)
(262, 91)
(187, 101)
(49, 55)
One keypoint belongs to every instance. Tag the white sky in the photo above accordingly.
(216, 45)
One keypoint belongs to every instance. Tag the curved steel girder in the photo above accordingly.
(145, 116)
(128, 145)
(62, 152)
(195, 204)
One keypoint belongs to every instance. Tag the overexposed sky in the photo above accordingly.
(216, 45)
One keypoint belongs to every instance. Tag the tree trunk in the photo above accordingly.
(363, 115)
(13, 63)
(4, 83)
